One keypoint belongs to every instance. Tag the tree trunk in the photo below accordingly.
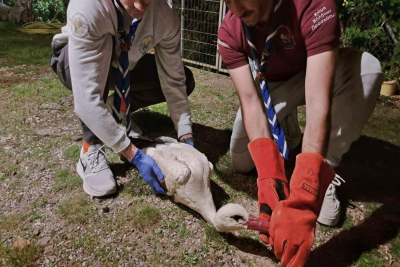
(4, 10)
(18, 14)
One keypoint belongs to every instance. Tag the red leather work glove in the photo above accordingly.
(293, 220)
(271, 182)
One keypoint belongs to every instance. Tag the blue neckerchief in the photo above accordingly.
(260, 66)
(122, 85)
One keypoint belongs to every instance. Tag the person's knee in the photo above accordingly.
(370, 64)
(190, 82)
(240, 156)
(242, 162)
(371, 73)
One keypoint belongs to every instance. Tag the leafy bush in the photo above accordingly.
(46, 10)
(364, 26)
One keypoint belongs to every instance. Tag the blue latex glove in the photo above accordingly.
(149, 170)
(189, 141)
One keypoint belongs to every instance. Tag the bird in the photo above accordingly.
(187, 174)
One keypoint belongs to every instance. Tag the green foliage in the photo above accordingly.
(47, 10)
(363, 25)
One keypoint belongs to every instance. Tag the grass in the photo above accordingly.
(163, 231)
(371, 259)
(212, 235)
(10, 222)
(161, 108)
(39, 202)
(20, 257)
(64, 180)
(44, 91)
(23, 49)
(76, 209)
(34, 215)
(347, 224)
(136, 186)
(8, 26)
(383, 126)
(190, 258)
(395, 248)
(140, 216)
(87, 242)
(326, 229)
(372, 207)
(72, 152)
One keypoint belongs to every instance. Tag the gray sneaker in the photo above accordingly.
(92, 167)
(330, 211)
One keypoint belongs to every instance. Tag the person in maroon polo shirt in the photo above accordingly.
(304, 66)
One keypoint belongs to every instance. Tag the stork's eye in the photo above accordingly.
(237, 218)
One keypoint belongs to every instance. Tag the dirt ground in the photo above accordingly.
(42, 202)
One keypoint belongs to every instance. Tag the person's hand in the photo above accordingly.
(187, 139)
(271, 182)
(149, 170)
(293, 221)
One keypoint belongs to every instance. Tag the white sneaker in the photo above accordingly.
(92, 167)
(330, 211)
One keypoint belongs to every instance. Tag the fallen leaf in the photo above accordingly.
(20, 243)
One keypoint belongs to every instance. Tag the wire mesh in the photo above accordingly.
(200, 20)
(379, 45)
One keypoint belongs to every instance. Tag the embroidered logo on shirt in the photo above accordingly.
(79, 25)
(285, 37)
(321, 16)
(145, 44)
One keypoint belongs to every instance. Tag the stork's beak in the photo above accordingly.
(257, 224)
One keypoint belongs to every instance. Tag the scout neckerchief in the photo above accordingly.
(259, 69)
(123, 80)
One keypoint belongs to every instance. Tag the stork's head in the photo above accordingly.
(233, 217)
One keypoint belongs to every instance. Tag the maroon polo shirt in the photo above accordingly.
(305, 28)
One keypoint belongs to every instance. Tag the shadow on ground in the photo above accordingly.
(372, 172)
(212, 142)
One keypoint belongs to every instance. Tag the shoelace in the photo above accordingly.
(331, 191)
(95, 163)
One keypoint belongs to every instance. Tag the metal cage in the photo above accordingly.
(200, 20)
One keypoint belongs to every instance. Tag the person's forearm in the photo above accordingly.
(318, 89)
(183, 137)
(255, 120)
(316, 132)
